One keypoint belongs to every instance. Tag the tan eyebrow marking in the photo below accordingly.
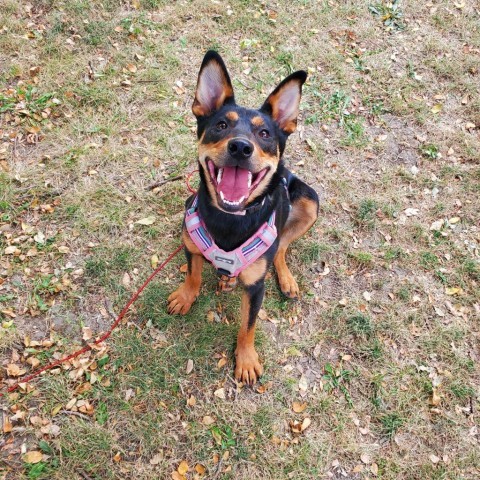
(257, 121)
(232, 116)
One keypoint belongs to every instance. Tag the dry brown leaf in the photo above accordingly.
(7, 424)
(191, 401)
(298, 407)
(208, 420)
(13, 370)
(189, 366)
(200, 469)
(435, 398)
(374, 469)
(184, 268)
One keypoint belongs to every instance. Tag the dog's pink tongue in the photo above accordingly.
(234, 183)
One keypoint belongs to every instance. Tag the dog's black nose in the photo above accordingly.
(240, 148)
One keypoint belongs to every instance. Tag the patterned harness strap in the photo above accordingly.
(234, 262)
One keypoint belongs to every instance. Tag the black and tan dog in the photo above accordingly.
(243, 180)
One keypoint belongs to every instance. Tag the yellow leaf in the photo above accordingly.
(34, 456)
(117, 457)
(222, 362)
(154, 261)
(452, 290)
(436, 108)
(200, 469)
(177, 476)
(183, 468)
(136, 4)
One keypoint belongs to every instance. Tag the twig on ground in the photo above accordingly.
(76, 414)
(84, 475)
(219, 469)
(163, 182)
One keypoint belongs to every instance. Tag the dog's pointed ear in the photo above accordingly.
(283, 103)
(214, 87)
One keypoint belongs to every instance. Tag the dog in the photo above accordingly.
(247, 201)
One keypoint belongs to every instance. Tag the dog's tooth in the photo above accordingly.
(222, 196)
(250, 176)
(241, 200)
(219, 175)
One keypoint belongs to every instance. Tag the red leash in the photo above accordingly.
(114, 325)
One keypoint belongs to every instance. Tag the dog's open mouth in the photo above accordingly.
(234, 185)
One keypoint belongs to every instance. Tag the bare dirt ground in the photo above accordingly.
(374, 373)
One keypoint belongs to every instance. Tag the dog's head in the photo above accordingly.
(239, 148)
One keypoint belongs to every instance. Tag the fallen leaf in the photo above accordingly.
(87, 333)
(191, 401)
(13, 370)
(367, 296)
(189, 368)
(177, 476)
(305, 424)
(11, 250)
(453, 290)
(303, 383)
(298, 407)
(435, 399)
(183, 468)
(146, 221)
(200, 469)
(365, 458)
(34, 456)
(208, 420)
(433, 458)
(220, 393)
(374, 469)
(154, 261)
(437, 108)
(7, 424)
(156, 459)
(262, 314)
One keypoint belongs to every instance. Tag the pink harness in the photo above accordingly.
(234, 262)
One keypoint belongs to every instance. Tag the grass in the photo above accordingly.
(107, 113)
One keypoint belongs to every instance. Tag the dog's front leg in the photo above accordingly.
(182, 298)
(248, 368)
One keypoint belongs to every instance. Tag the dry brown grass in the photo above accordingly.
(392, 374)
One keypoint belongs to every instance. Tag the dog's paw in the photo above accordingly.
(227, 284)
(288, 285)
(181, 300)
(248, 368)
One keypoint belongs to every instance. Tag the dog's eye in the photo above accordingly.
(222, 125)
(264, 133)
